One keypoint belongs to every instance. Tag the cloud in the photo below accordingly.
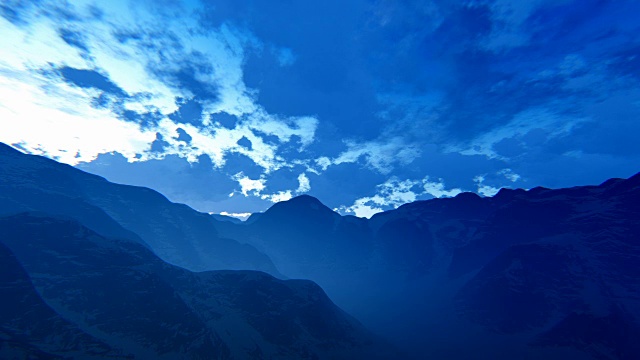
(241, 216)
(485, 190)
(437, 189)
(249, 186)
(59, 121)
(552, 123)
(304, 186)
(379, 155)
(277, 197)
(54, 69)
(395, 192)
(509, 175)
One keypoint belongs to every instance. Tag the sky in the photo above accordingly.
(231, 106)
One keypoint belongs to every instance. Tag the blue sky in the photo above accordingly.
(230, 106)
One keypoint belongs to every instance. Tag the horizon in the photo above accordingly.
(232, 106)
(245, 216)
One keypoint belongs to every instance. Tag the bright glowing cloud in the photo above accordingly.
(59, 121)
(141, 51)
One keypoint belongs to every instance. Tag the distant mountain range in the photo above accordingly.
(175, 232)
(69, 291)
(524, 274)
(542, 273)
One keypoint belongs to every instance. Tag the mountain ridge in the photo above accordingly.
(457, 261)
(121, 294)
(176, 233)
(516, 275)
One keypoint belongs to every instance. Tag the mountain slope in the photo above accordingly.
(175, 232)
(30, 328)
(443, 275)
(120, 293)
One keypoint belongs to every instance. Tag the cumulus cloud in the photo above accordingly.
(142, 51)
(395, 192)
(248, 186)
(257, 187)
(304, 184)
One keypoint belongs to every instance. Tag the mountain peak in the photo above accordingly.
(305, 200)
(303, 204)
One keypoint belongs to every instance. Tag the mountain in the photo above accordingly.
(524, 274)
(29, 328)
(175, 232)
(71, 292)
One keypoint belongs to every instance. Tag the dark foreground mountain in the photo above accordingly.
(522, 275)
(70, 292)
(175, 232)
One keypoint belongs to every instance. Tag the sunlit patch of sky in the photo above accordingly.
(230, 106)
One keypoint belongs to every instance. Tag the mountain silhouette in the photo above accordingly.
(454, 277)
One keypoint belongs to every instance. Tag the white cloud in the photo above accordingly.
(304, 185)
(59, 121)
(323, 162)
(249, 186)
(137, 46)
(437, 189)
(256, 187)
(394, 193)
(485, 190)
(241, 216)
(277, 197)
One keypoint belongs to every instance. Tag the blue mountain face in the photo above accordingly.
(80, 278)
(73, 292)
(531, 274)
(175, 232)
(517, 275)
